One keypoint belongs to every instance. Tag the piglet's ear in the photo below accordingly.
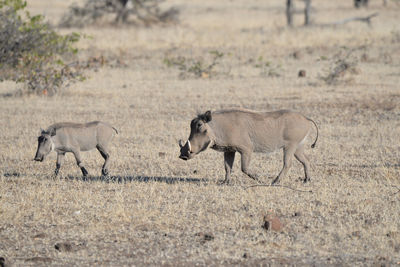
(41, 132)
(52, 132)
(207, 116)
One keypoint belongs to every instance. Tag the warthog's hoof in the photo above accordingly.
(84, 172)
(105, 172)
(223, 182)
(275, 181)
(258, 181)
(306, 180)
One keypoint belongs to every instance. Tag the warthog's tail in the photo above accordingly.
(316, 138)
(115, 130)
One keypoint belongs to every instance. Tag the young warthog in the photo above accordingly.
(75, 137)
(247, 131)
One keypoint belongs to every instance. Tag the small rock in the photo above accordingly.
(356, 234)
(161, 154)
(205, 237)
(63, 247)
(393, 234)
(364, 57)
(245, 255)
(317, 203)
(297, 55)
(40, 235)
(272, 222)
(208, 237)
(297, 214)
(205, 75)
(302, 73)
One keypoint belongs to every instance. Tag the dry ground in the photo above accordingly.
(157, 209)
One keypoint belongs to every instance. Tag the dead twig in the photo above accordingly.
(366, 19)
(398, 190)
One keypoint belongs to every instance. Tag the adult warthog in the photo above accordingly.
(246, 131)
(76, 137)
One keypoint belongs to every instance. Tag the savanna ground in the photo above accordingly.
(157, 209)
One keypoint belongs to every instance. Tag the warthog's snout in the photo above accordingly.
(183, 157)
(185, 150)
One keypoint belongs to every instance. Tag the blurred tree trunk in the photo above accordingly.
(307, 12)
(289, 12)
(122, 12)
(359, 3)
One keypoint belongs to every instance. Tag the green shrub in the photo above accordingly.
(195, 67)
(267, 68)
(343, 65)
(145, 12)
(31, 52)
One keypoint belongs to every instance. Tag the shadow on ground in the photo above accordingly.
(143, 179)
(121, 178)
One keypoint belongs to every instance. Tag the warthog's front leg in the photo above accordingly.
(245, 161)
(60, 159)
(229, 158)
(106, 155)
(79, 162)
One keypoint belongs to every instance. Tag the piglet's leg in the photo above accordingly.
(60, 160)
(79, 162)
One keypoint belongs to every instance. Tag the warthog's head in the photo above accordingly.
(199, 138)
(45, 144)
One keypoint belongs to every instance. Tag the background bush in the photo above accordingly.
(141, 12)
(31, 52)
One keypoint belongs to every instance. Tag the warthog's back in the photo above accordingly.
(259, 131)
(85, 135)
(74, 125)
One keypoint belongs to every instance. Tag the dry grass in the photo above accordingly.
(158, 209)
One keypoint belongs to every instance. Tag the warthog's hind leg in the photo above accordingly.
(106, 155)
(229, 158)
(60, 159)
(300, 156)
(288, 153)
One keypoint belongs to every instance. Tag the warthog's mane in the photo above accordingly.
(273, 114)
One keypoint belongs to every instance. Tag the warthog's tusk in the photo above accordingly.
(190, 147)
(53, 146)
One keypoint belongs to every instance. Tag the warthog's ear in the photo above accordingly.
(180, 143)
(207, 116)
(52, 132)
(41, 132)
